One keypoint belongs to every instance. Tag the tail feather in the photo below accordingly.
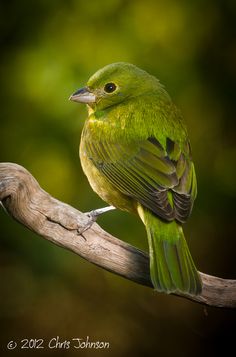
(171, 265)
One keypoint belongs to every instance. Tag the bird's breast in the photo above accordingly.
(96, 178)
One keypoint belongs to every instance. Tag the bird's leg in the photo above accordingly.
(92, 217)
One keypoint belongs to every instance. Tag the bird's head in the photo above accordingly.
(114, 84)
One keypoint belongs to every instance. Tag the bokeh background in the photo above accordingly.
(48, 50)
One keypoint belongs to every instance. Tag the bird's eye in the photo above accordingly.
(110, 87)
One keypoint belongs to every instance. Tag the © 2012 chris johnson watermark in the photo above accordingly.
(57, 343)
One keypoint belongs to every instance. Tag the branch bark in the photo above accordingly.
(58, 222)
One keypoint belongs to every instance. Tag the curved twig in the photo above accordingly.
(58, 222)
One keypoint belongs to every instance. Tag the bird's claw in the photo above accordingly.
(92, 217)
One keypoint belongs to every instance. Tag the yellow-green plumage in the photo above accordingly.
(136, 155)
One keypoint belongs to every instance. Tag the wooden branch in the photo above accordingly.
(58, 222)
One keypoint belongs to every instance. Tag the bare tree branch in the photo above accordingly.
(58, 222)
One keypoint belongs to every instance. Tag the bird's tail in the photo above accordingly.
(171, 265)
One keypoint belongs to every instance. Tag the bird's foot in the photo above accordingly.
(92, 217)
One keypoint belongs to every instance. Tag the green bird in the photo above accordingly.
(136, 155)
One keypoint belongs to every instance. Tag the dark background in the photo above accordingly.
(48, 50)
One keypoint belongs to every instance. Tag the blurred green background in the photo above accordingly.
(48, 50)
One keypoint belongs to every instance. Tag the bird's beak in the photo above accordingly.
(83, 95)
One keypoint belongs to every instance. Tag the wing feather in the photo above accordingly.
(147, 172)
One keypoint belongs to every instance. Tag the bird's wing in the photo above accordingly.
(163, 180)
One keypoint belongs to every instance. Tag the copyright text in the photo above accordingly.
(58, 343)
